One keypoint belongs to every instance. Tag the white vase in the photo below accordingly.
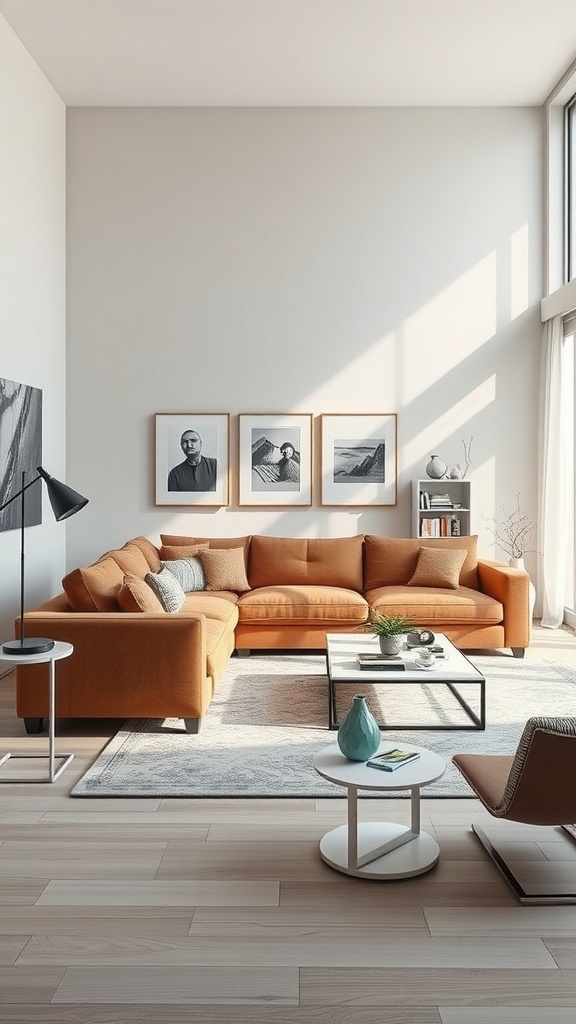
(436, 468)
(518, 563)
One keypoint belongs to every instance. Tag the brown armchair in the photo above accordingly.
(536, 786)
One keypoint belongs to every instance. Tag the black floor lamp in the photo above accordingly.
(65, 503)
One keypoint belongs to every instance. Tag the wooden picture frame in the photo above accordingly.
(359, 459)
(187, 473)
(275, 459)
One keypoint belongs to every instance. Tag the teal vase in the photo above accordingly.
(359, 733)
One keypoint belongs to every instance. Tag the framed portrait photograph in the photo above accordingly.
(192, 455)
(358, 459)
(275, 459)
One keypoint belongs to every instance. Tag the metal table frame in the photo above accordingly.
(478, 720)
(60, 650)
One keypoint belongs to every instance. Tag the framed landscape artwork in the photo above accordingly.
(358, 459)
(20, 451)
(275, 459)
(192, 455)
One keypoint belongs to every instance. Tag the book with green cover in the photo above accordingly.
(390, 760)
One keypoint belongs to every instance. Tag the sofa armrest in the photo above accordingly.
(511, 587)
(141, 653)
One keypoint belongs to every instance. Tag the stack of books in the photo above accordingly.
(441, 501)
(375, 662)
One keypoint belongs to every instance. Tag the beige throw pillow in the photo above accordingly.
(438, 567)
(224, 569)
(136, 596)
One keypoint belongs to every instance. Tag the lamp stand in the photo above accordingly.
(30, 644)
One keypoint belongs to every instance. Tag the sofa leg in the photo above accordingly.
(33, 725)
(518, 652)
(192, 726)
(243, 652)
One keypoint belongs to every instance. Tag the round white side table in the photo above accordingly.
(379, 849)
(56, 653)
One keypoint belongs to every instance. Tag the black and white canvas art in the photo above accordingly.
(20, 451)
(275, 459)
(192, 458)
(358, 459)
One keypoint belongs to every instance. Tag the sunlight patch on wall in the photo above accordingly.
(367, 382)
(484, 507)
(519, 272)
(449, 328)
(455, 423)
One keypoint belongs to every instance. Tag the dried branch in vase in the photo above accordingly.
(467, 460)
(512, 532)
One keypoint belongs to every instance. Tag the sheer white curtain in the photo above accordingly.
(555, 526)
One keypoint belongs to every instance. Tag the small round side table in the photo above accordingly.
(56, 653)
(377, 849)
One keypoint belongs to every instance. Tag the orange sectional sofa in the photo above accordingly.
(134, 659)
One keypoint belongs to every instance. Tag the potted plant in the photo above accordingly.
(389, 629)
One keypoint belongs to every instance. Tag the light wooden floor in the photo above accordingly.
(221, 911)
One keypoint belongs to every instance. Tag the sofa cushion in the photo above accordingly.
(169, 552)
(131, 559)
(94, 588)
(302, 605)
(436, 608)
(188, 571)
(224, 569)
(149, 550)
(174, 540)
(438, 568)
(167, 590)
(391, 561)
(300, 561)
(222, 607)
(137, 596)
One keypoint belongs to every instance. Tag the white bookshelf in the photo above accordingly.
(450, 521)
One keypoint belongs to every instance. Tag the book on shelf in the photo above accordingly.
(390, 760)
(440, 526)
(380, 661)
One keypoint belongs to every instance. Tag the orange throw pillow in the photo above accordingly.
(438, 568)
(171, 552)
(224, 569)
(136, 596)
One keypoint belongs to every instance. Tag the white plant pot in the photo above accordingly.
(518, 563)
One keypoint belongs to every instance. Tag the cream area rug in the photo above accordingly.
(269, 717)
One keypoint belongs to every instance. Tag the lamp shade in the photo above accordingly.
(64, 500)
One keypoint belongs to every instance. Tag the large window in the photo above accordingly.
(570, 426)
(570, 189)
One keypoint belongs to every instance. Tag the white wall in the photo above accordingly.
(301, 260)
(32, 297)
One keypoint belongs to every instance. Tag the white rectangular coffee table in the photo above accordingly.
(454, 671)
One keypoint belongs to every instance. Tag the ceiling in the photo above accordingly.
(298, 52)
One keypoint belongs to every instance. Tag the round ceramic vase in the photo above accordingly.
(359, 734)
(436, 468)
